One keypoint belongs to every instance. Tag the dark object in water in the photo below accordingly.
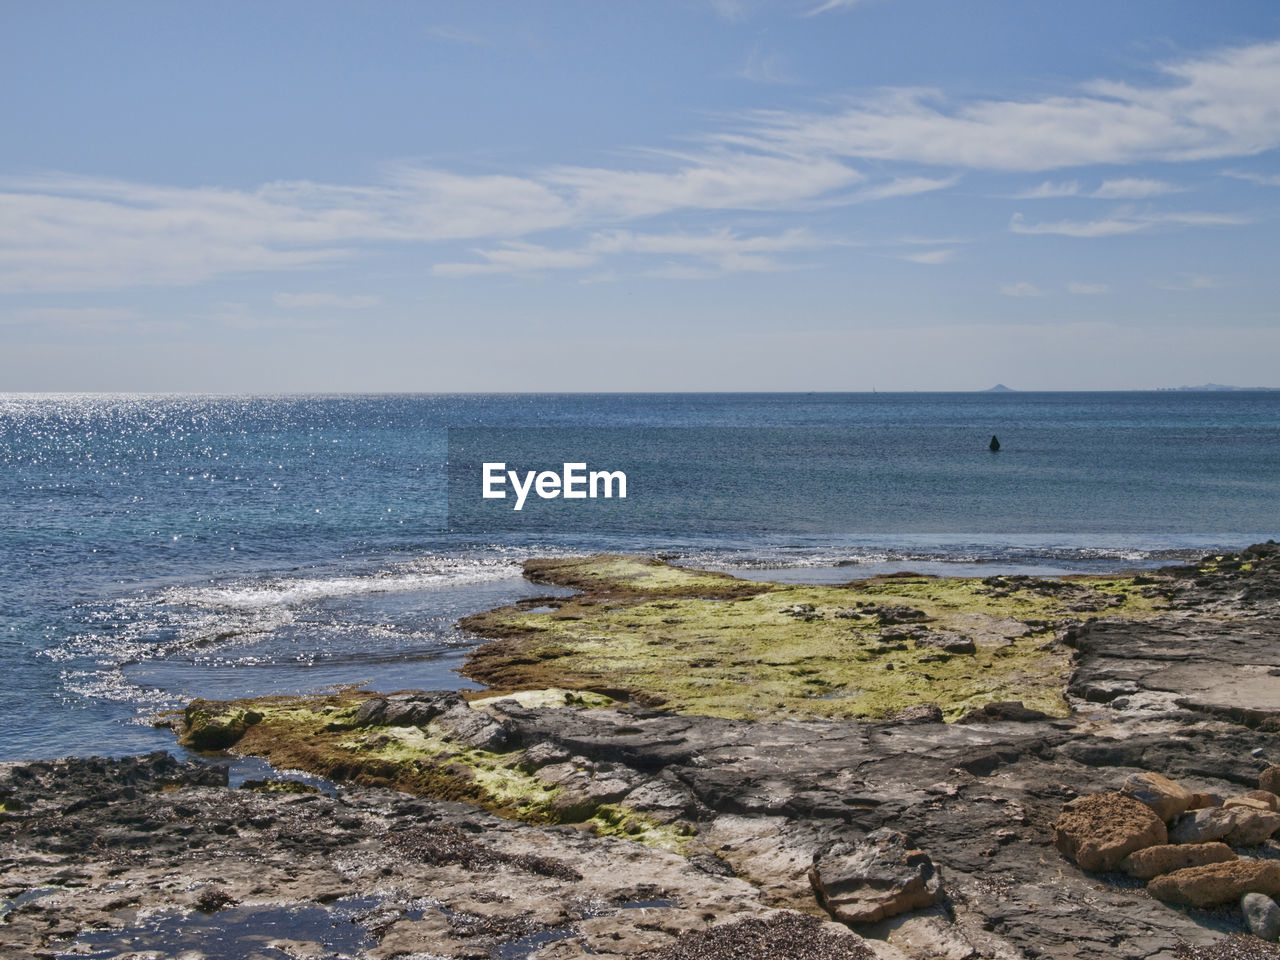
(994, 445)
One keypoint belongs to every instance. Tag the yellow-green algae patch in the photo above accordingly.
(318, 735)
(551, 697)
(806, 651)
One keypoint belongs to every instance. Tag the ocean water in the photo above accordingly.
(161, 548)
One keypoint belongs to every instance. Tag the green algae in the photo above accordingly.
(551, 697)
(319, 735)
(802, 651)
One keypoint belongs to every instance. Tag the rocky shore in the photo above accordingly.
(674, 764)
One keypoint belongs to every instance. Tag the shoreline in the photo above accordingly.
(1176, 678)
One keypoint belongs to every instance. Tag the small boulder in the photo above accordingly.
(1217, 883)
(1269, 780)
(883, 876)
(1246, 803)
(1158, 792)
(1202, 801)
(1252, 827)
(919, 713)
(1007, 711)
(946, 642)
(1168, 857)
(211, 725)
(1100, 830)
(1202, 826)
(474, 728)
(1262, 915)
(1266, 796)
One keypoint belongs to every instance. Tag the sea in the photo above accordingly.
(159, 548)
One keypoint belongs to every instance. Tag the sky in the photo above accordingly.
(641, 196)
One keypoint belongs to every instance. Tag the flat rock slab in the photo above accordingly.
(881, 877)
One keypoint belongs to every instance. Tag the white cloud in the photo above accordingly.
(903, 187)
(931, 256)
(761, 67)
(1219, 105)
(1133, 188)
(303, 301)
(1265, 179)
(1021, 289)
(1049, 191)
(1088, 289)
(1125, 222)
(1190, 281)
(714, 253)
(833, 5)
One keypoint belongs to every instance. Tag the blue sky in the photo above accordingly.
(707, 194)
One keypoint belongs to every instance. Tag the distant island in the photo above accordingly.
(1206, 387)
(1000, 388)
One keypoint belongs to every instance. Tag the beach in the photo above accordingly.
(620, 829)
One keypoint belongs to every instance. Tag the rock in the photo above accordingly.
(1266, 796)
(1246, 803)
(542, 754)
(1003, 711)
(920, 713)
(1168, 857)
(1262, 915)
(883, 876)
(1202, 801)
(474, 728)
(1158, 792)
(406, 709)
(1252, 827)
(215, 726)
(1269, 780)
(1100, 830)
(1217, 883)
(931, 938)
(1202, 826)
(947, 642)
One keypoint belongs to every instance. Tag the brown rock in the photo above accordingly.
(1246, 803)
(1203, 826)
(1099, 831)
(1217, 883)
(882, 877)
(1269, 780)
(1267, 797)
(1252, 827)
(1158, 792)
(1168, 857)
(1203, 801)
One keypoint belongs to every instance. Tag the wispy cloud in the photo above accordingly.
(1088, 289)
(1188, 282)
(1021, 289)
(1125, 222)
(931, 257)
(764, 67)
(1049, 191)
(1265, 179)
(1219, 105)
(903, 187)
(830, 5)
(1133, 188)
(304, 301)
(712, 254)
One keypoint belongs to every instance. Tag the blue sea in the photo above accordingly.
(161, 548)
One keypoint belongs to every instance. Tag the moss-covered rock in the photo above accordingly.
(710, 644)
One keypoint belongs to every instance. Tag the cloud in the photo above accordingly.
(931, 256)
(70, 318)
(1219, 105)
(1021, 289)
(1049, 190)
(830, 5)
(1190, 281)
(1265, 179)
(713, 254)
(1133, 188)
(761, 67)
(903, 187)
(1125, 222)
(1088, 289)
(303, 301)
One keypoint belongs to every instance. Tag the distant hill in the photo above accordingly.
(1215, 387)
(1000, 388)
